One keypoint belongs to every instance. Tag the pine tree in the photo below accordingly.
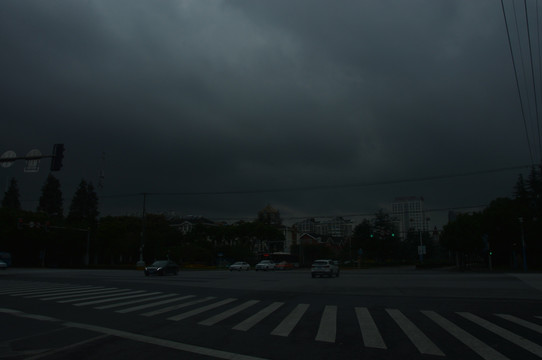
(11, 197)
(51, 201)
(84, 206)
(534, 183)
(520, 190)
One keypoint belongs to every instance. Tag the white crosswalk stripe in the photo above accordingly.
(45, 291)
(328, 325)
(178, 306)
(228, 313)
(289, 322)
(506, 334)
(152, 304)
(416, 336)
(524, 323)
(21, 288)
(131, 302)
(157, 304)
(259, 316)
(485, 351)
(98, 295)
(74, 294)
(201, 310)
(369, 331)
(130, 295)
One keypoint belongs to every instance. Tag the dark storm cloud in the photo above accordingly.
(196, 96)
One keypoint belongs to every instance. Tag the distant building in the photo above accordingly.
(336, 227)
(409, 213)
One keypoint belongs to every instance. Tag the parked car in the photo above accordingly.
(265, 265)
(162, 267)
(240, 265)
(284, 265)
(325, 268)
(3, 265)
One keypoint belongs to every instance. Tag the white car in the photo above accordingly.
(240, 265)
(265, 265)
(325, 268)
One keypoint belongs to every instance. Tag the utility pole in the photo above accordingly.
(524, 254)
(141, 263)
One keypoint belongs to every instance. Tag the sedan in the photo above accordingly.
(240, 265)
(162, 267)
(265, 265)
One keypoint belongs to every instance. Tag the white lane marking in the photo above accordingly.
(136, 294)
(289, 322)
(201, 310)
(153, 304)
(416, 336)
(508, 335)
(328, 325)
(482, 349)
(226, 314)
(67, 347)
(164, 343)
(29, 316)
(369, 330)
(259, 316)
(178, 306)
(99, 295)
(219, 354)
(524, 323)
(133, 302)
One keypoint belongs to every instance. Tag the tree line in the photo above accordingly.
(45, 237)
(506, 234)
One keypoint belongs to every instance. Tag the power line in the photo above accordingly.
(323, 187)
(532, 76)
(517, 82)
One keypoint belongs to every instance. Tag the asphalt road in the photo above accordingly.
(397, 313)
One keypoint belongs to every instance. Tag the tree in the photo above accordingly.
(377, 238)
(269, 216)
(84, 206)
(51, 201)
(11, 197)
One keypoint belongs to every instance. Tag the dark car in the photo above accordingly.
(162, 267)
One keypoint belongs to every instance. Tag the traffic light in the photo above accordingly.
(58, 155)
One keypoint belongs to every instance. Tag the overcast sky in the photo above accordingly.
(214, 105)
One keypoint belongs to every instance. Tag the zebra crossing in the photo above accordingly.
(210, 310)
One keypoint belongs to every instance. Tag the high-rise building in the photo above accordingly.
(409, 213)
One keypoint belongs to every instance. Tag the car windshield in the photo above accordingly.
(319, 263)
(160, 263)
